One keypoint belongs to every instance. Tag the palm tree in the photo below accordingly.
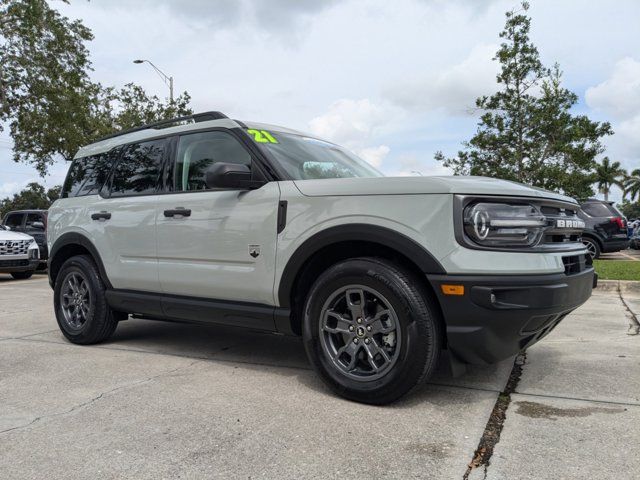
(608, 174)
(632, 184)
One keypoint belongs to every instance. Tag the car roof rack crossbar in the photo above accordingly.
(195, 118)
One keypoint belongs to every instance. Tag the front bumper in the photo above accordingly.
(18, 265)
(499, 316)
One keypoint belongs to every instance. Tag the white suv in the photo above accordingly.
(216, 221)
(19, 254)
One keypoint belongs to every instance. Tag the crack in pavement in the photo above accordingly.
(495, 423)
(98, 397)
(634, 324)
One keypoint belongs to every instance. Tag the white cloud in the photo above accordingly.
(619, 98)
(353, 124)
(374, 155)
(619, 95)
(453, 89)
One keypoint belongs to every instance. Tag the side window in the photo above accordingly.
(198, 151)
(138, 170)
(33, 217)
(87, 175)
(14, 220)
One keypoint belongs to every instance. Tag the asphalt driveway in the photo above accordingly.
(164, 400)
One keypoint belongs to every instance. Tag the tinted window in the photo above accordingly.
(598, 210)
(198, 151)
(34, 217)
(14, 220)
(138, 169)
(87, 175)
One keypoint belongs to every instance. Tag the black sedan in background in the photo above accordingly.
(605, 227)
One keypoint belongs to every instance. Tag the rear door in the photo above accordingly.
(123, 223)
(223, 245)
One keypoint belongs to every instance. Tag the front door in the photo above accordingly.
(216, 244)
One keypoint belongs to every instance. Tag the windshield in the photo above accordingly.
(306, 158)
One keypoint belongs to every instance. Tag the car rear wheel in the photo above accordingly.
(370, 330)
(22, 275)
(592, 247)
(80, 304)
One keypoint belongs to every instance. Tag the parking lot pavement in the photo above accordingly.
(577, 406)
(628, 254)
(164, 400)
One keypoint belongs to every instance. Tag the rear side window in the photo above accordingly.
(138, 170)
(34, 217)
(14, 220)
(87, 175)
(598, 210)
(198, 151)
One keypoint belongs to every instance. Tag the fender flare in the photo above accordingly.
(74, 238)
(353, 232)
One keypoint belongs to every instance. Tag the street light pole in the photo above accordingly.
(165, 78)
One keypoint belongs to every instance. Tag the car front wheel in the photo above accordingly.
(80, 304)
(370, 330)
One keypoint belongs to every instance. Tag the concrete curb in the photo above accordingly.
(624, 286)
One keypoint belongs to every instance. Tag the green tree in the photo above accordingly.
(34, 196)
(631, 210)
(46, 96)
(526, 132)
(632, 184)
(608, 174)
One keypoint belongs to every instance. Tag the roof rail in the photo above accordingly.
(196, 117)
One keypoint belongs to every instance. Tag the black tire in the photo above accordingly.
(100, 322)
(416, 353)
(593, 247)
(22, 275)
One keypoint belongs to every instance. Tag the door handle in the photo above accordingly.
(101, 215)
(179, 211)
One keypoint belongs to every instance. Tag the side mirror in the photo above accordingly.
(231, 175)
(37, 225)
(7, 227)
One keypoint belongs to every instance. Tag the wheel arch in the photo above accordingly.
(338, 243)
(69, 245)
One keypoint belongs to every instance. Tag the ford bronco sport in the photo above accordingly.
(215, 221)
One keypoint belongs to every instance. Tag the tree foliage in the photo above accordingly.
(46, 95)
(34, 196)
(608, 174)
(526, 132)
(632, 184)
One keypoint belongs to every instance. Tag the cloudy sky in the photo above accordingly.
(393, 81)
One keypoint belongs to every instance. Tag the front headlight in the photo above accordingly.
(34, 251)
(504, 225)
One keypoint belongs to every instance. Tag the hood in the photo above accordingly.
(422, 185)
(10, 235)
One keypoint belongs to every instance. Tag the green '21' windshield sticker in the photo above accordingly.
(261, 136)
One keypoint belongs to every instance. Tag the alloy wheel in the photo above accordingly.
(360, 332)
(75, 300)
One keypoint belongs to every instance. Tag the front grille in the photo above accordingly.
(14, 263)
(561, 225)
(575, 264)
(14, 247)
